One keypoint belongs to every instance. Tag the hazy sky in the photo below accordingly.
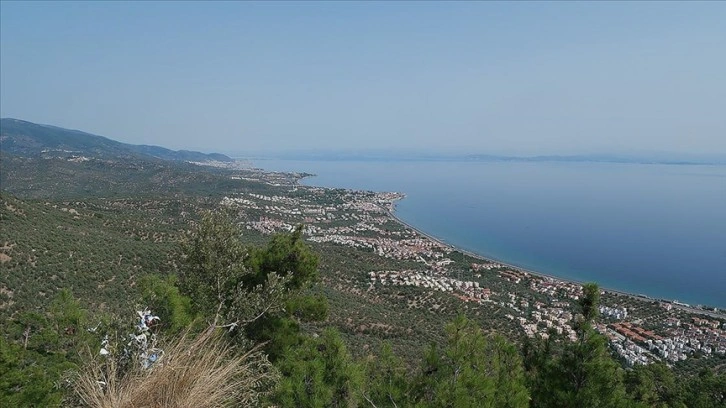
(508, 78)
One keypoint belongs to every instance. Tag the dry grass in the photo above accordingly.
(194, 372)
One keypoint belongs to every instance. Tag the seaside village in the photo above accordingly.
(539, 305)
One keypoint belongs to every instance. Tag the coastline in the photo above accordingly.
(482, 257)
(644, 298)
(307, 179)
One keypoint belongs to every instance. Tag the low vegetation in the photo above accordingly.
(254, 310)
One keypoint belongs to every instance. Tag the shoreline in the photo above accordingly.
(641, 297)
(391, 212)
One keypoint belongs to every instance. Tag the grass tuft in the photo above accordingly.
(194, 372)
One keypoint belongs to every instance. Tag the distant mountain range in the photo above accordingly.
(27, 139)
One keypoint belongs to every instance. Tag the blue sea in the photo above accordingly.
(658, 230)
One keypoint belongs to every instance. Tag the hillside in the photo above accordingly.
(40, 161)
(21, 138)
(69, 177)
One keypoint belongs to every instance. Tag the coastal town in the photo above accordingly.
(640, 330)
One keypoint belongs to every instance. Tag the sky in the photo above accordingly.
(519, 78)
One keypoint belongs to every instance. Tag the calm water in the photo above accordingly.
(659, 230)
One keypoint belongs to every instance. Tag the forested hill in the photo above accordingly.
(21, 138)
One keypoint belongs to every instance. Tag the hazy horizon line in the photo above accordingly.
(452, 153)
(424, 155)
